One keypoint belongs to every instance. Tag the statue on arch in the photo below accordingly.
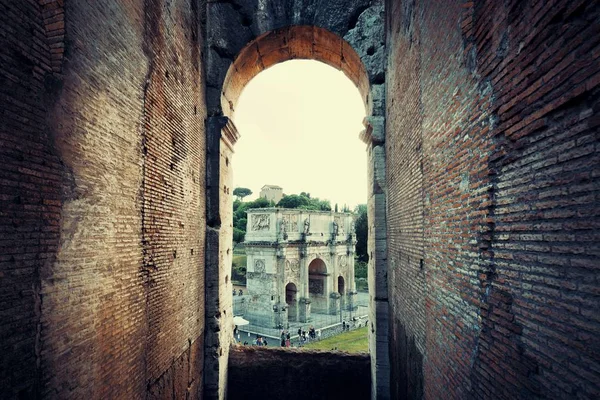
(306, 226)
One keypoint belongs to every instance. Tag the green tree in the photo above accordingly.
(294, 201)
(362, 228)
(238, 235)
(305, 202)
(241, 192)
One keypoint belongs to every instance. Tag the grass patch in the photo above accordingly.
(239, 260)
(356, 341)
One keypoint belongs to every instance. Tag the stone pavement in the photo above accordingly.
(328, 325)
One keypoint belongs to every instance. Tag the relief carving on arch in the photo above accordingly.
(289, 222)
(342, 261)
(261, 222)
(259, 266)
(292, 267)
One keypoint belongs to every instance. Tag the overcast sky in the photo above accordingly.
(299, 123)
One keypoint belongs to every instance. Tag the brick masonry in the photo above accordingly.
(492, 146)
(102, 199)
(483, 152)
(261, 373)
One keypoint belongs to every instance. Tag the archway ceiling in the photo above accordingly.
(290, 43)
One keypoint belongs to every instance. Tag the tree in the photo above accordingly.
(238, 235)
(305, 202)
(362, 227)
(241, 192)
(294, 201)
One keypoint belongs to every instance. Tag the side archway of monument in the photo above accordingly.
(244, 39)
(291, 299)
(319, 284)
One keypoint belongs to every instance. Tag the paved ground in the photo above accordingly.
(318, 321)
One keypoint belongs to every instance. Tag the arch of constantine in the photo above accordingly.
(298, 262)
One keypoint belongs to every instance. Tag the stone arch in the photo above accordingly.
(318, 285)
(291, 299)
(341, 284)
(303, 42)
(317, 266)
(246, 37)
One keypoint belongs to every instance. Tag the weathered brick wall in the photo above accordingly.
(261, 373)
(492, 153)
(102, 199)
(32, 180)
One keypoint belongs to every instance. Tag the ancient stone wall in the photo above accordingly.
(31, 190)
(102, 199)
(492, 156)
(261, 373)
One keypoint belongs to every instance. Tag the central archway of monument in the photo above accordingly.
(302, 42)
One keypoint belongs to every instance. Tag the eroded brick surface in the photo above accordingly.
(102, 218)
(261, 373)
(492, 153)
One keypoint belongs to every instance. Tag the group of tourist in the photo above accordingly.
(285, 339)
(303, 337)
(261, 341)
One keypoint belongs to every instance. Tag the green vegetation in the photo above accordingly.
(360, 273)
(304, 201)
(241, 192)
(356, 341)
(362, 227)
(238, 269)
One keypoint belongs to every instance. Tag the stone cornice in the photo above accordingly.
(230, 134)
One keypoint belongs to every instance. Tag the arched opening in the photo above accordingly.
(341, 287)
(299, 42)
(318, 283)
(291, 293)
(230, 68)
(315, 286)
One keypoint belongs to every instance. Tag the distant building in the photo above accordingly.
(298, 261)
(272, 193)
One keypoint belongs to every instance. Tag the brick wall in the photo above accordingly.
(261, 373)
(102, 199)
(32, 179)
(493, 153)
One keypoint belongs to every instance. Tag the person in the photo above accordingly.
(299, 331)
(245, 343)
(240, 292)
(282, 339)
(265, 343)
(343, 325)
(234, 292)
(287, 340)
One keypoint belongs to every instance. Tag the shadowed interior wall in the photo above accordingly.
(261, 373)
(492, 152)
(102, 199)
(33, 181)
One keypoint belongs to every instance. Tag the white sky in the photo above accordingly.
(299, 123)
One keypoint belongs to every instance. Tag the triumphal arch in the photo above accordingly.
(298, 262)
